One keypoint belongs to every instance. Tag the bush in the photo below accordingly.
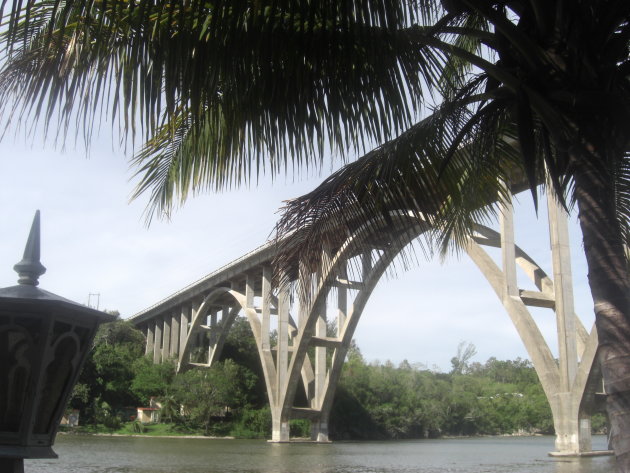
(112, 422)
(138, 427)
(253, 423)
(300, 428)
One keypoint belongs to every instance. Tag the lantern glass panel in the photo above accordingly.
(19, 339)
(64, 355)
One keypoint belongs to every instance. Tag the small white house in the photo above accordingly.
(150, 414)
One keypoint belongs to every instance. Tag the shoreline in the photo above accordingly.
(102, 434)
(296, 439)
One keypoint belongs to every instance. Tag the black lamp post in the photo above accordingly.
(44, 340)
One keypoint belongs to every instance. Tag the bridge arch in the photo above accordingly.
(569, 384)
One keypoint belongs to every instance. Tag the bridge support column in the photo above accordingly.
(157, 345)
(174, 352)
(573, 432)
(166, 338)
(279, 415)
(184, 319)
(150, 334)
(279, 426)
(570, 379)
(319, 430)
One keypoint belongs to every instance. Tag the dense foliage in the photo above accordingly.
(373, 401)
(117, 378)
(387, 401)
(107, 376)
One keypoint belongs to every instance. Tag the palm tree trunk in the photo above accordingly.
(610, 287)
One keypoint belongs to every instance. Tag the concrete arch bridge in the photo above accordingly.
(191, 325)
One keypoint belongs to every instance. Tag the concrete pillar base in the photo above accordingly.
(280, 431)
(319, 431)
(593, 453)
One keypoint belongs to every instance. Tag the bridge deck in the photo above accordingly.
(221, 277)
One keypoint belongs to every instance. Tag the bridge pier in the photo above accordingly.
(570, 381)
(319, 430)
(279, 427)
(157, 345)
(573, 431)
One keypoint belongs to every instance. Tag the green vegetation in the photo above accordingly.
(373, 401)
(226, 400)
(385, 401)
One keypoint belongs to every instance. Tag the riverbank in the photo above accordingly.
(166, 431)
(131, 430)
(208, 437)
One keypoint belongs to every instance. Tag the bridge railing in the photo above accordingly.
(216, 272)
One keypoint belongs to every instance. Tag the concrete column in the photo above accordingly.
(584, 433)
(150, 337)
(197, 337)
(320, 357)
(249, 290)
(214, 322)
(213, 336)
(319, 430)
(157, 346)
(184, 320)
(508, 251)
(320, 331)
(569, 430)
(563, 291)
(266, 308)
(282, 360)
(280, 420)
(166, 338)
(175, 334)
(342, 301)
(566, 425)
(195, 308)
(279, 427)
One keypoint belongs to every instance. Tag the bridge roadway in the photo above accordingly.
(191, 325)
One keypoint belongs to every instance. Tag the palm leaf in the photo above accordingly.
(405, 175)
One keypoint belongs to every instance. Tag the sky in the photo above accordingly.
(98, 251)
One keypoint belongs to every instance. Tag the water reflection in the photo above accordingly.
(584, 465)
(80, 454)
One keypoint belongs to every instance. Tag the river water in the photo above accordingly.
(91, 454)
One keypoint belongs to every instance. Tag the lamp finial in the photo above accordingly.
(30, 268)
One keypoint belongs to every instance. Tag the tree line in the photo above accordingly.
(373, 400)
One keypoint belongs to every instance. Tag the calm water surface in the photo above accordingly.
(85, 454)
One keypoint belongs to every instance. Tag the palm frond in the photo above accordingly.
(347, 81)
(408, 175)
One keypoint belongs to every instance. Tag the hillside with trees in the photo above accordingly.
(373, 400)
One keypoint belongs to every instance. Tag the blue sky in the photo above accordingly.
(95, 242)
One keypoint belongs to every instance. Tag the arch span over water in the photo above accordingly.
(192, 324)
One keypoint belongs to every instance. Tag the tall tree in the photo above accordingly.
(223, 91)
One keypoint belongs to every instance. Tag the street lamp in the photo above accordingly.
(44, 340)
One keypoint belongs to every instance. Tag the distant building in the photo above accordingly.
(70, 418)
(150, 414)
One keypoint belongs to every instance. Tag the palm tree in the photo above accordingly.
(224, 91)
(170, 408)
